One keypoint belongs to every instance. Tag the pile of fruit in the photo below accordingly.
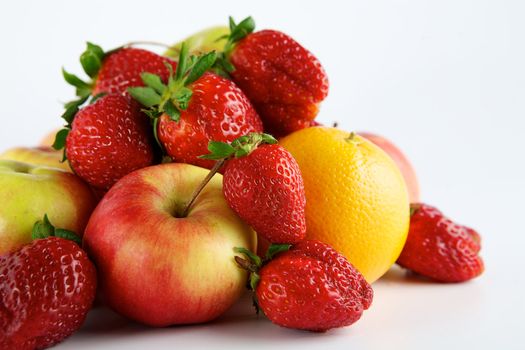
(180, 180)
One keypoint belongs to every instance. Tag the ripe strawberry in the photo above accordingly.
(283, 80)
(310, 287)
(438, 248)
(123, 68)
(264, 186)
(195, 107)
(115, 71)
(46, 290)
(109, 139)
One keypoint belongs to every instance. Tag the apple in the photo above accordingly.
(30, 191)
(206, 40)
(37, 155)
(402, 162)
(49, 138)
(156, 266)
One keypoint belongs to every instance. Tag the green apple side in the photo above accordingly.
(30, 191)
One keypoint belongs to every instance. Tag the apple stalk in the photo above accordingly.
(203, 184)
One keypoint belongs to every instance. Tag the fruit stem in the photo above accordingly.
(146, 42)
(204, 182)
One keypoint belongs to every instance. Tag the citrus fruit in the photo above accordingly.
(356, 198)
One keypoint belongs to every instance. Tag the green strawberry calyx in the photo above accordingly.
(253, 263)
(240, 147)
(43, 229)
(173, 97)
(238, 31)
(91, 61)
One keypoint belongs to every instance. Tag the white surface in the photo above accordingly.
(444, 79)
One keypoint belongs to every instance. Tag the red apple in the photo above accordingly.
(157, 267)
(37, 155)
(402, 162)
(30, 191)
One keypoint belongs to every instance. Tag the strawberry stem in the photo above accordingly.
(203, 184)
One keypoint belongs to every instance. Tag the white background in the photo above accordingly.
(444, 79)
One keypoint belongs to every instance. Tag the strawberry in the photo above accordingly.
(114, 71)
(283, 80)
(46, 290)
(262, 183)
(438, 248)
(310, 286)
(194, 107)
(109, 139)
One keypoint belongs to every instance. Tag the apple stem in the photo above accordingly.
(204, 182)
(146, 42)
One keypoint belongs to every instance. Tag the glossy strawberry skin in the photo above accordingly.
(283, 80)
(265, 188)
(218, 111)
(122, 69)
(312, 287)
(109, 139)
(438, 248)
(46, 291)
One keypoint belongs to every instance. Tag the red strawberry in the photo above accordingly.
(123, 68)
(438, 248)
(109, 139)
(310, 287)
(115, 71)
(195, 107)
(264, 186)
(46, 291)
(281, 78)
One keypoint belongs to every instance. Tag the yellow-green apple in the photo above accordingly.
(157, 266)
(402, 162)
(209, 39)
(37, 155)
(30, 191)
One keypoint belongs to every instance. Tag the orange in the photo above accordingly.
(356, 198)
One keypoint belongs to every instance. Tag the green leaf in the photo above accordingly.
(203, 63)
(60, 139)
(245, 27)
(275, 249)
(183, 62)
(243, 151)
(74, 80)
(156, 133)
(231, 23)
(146, 96)
(269, 139)
(249, 254)
(42, 229)
(97, 50)
(254, 280)
(69, 114)
(183, 96)
(154, 82)
(90, 62)
(172, 111)
(221, 149)
(66, 234)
